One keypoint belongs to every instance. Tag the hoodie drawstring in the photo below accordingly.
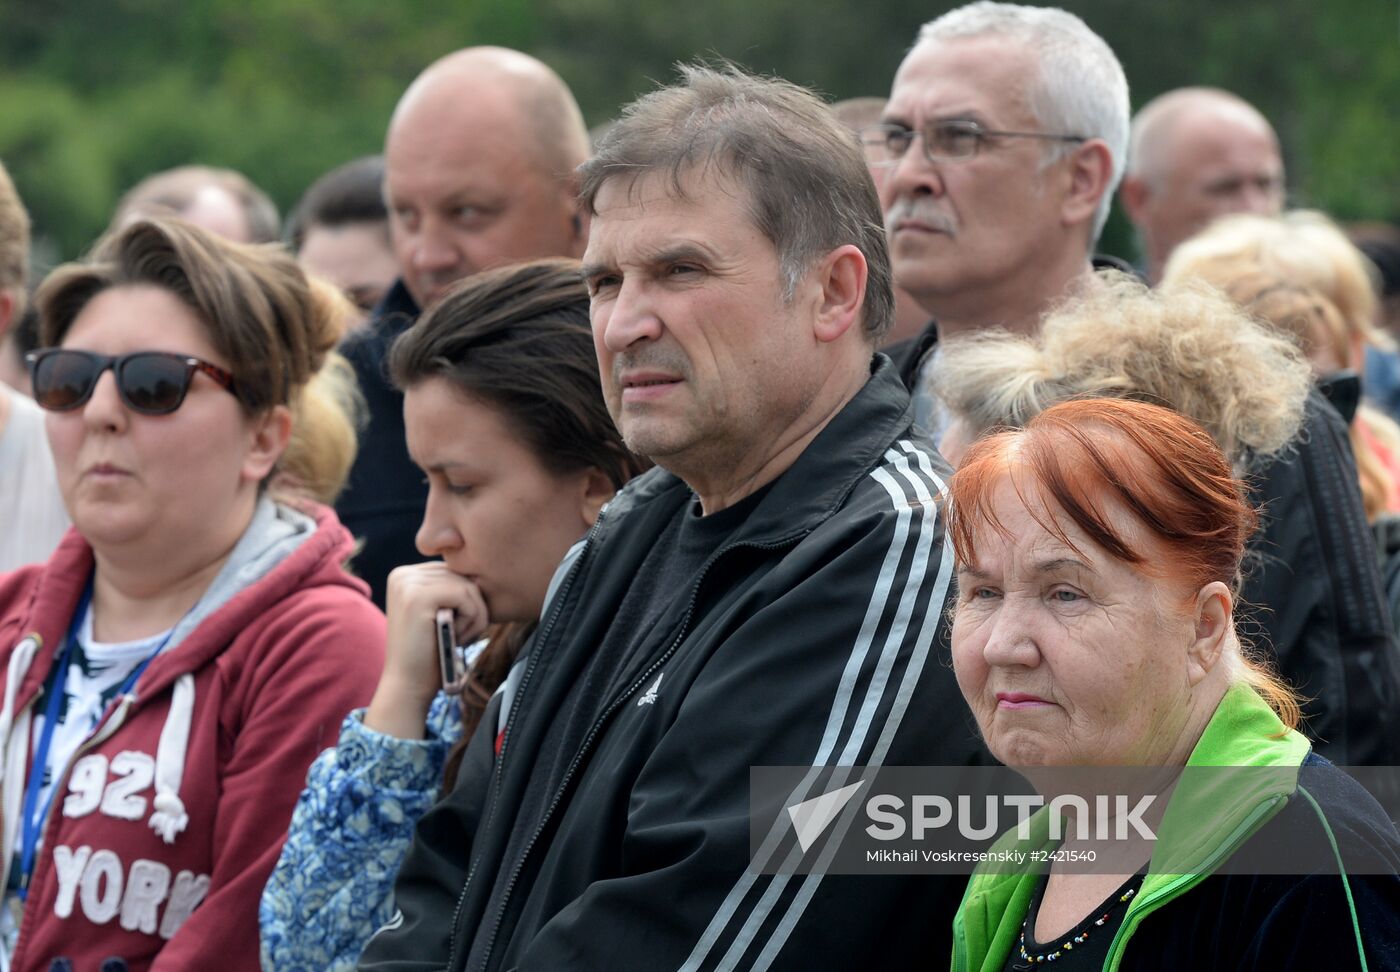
(14, 745)
(169, 818)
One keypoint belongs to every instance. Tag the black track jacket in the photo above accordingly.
(814, 636)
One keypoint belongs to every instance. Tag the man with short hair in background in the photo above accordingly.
(31, 506)
(339, 230)
(479, 172)
(771, 595)
(1005, 134)
(223, 201)
(1196, 154)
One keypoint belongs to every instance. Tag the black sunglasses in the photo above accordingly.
(149, 382)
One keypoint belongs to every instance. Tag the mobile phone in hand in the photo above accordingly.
(449, 660)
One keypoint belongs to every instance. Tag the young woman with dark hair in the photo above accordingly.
(504, 413)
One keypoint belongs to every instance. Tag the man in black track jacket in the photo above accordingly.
(773, 595)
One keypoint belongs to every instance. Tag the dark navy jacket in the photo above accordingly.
(384, 500)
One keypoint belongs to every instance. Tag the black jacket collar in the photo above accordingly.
(395, 313)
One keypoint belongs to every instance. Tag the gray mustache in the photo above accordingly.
(921, 211)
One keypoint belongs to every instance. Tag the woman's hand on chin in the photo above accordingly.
(412, 675)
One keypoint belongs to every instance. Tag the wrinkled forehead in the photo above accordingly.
(702, 184)
(988, 79)
(701, 202)
(1012, 518)
(1016, 521)
(467, 139)
(1219, 133)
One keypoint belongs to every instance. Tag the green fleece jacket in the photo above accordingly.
(1244, 731)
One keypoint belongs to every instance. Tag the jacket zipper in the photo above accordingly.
(603, 718)
(1185, 882)
(544, 631)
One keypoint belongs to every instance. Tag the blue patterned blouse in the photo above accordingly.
(333, 885)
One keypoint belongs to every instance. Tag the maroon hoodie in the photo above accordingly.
(251, 693)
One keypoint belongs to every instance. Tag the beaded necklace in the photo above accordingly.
(1068, 944)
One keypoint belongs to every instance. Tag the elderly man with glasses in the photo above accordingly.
(1004, 137)
(1020, 116)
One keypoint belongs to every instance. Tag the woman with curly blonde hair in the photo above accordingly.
(1193, 350)
(1189, 349)
(1299, 272)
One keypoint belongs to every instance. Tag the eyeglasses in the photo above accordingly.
(149, 382)
(947, 141)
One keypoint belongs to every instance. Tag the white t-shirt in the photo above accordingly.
(95, 674)
(32, 517)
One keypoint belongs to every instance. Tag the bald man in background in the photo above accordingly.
(1196, 154)
(479, 172)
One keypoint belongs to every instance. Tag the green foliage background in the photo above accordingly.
(94, 94)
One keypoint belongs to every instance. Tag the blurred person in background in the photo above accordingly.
(222, 201)
(1300, 271)
(1196, 154)
(505, 416)
(1380, 242)
(1248, 385)
(21, 338)
(31, 506)
(858, 114)
(479, 172)
(1103, 518)
(1004, 137)
(1188, 349)
(195, 640)
(340, 231)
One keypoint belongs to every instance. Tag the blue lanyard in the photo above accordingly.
(32, 821)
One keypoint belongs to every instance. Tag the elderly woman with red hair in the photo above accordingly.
(1097, 552)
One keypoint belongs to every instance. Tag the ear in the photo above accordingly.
(1215, 624)
(1133, 194)
(1089, 173)
(841, 276)
(597, 490)
(270, 434)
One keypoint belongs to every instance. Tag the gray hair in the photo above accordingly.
(1079, 87)
(809, 191)
(1189, 349)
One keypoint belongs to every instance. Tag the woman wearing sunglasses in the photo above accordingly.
(194, 641)
(505, 415)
